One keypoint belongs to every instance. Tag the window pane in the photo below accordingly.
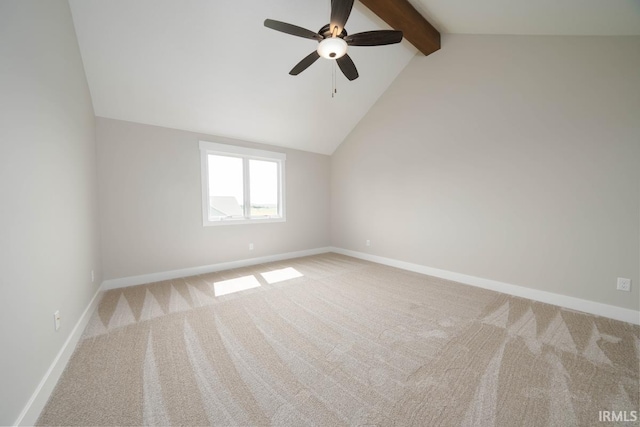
(263, 187)
(226, 194)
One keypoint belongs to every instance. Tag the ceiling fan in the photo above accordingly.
(333, 39)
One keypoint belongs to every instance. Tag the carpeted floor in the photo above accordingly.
(331, 340)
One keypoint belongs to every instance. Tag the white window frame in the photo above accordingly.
(246, 154)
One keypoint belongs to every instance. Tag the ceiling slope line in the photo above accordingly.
(401, 15)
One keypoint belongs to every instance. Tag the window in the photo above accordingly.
(241, 185)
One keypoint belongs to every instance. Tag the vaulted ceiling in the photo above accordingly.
(534, 17)
(212, 67)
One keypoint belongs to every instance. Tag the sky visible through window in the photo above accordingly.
(264, 183)
(225, 177)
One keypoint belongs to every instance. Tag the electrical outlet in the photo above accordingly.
(624, 284)
(368, 242)
(56, 319)
(250, 246)
(93, 276)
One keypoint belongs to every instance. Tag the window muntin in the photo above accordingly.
(241, 185)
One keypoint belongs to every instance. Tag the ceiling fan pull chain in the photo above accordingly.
(334, 90)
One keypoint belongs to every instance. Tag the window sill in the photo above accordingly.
(242, 221)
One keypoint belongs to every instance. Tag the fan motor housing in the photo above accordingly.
(326, 32)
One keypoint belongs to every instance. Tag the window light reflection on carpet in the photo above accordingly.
(235, 285)
(281, 275)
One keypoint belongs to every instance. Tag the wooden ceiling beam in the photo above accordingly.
(402, 16)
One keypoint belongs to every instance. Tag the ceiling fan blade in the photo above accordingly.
(305, 63)
(347, 67)
(294, 30)
(340, 11)
(374, 38)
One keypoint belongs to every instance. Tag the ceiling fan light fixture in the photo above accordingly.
(332, 48)
(333, 39)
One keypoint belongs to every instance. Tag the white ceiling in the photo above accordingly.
(211, 66)
(533, 17)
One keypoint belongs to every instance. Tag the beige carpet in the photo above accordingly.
(347, 342)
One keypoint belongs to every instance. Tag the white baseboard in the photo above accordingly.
(193, 271)
(599, 309)
(40, 396)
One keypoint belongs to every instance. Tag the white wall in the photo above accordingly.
(48, 210)
(150, 203)
(510, 158)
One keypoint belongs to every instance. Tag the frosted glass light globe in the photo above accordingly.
(332, 48)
